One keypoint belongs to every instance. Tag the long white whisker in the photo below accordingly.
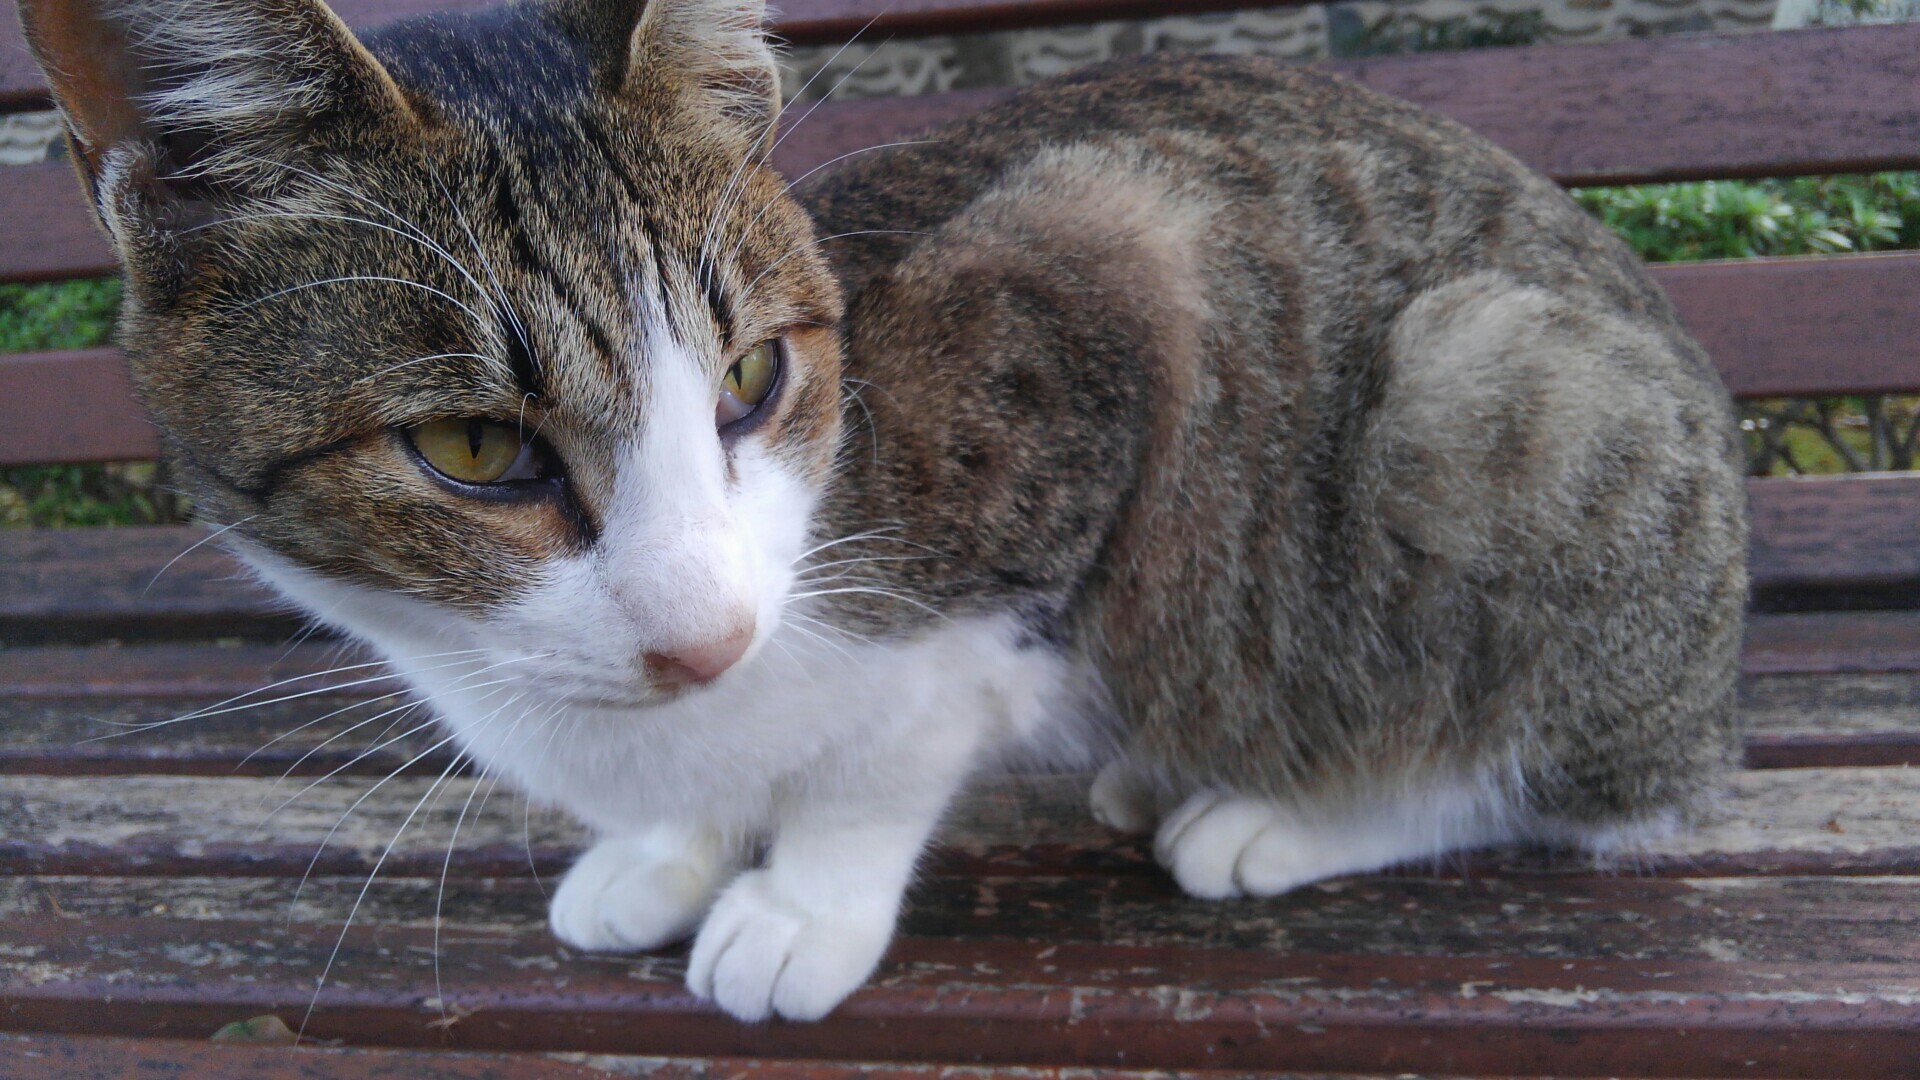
(195, 546)
(350, 279)
(775, 264)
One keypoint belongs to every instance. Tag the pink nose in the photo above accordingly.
(698, 664)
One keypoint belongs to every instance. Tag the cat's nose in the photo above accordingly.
(694, 665)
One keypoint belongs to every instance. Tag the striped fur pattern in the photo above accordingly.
(1324, 478)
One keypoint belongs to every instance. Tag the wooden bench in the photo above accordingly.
(154, 888)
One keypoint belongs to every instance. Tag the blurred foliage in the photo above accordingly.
(116, 493)
(1738, 219)
(59, 315)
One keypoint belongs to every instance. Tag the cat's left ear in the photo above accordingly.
(710, 54)
(176, 105)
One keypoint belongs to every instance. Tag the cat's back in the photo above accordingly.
(1374, 190)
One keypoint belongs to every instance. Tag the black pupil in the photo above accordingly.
(476, 435)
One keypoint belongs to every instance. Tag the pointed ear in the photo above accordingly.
(712, 53)
(174, 105)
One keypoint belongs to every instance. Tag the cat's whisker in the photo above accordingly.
(347, 925)
(728, 197)
(747, 232)
(412, 229)
(502, 302)
(882, 533)
(349, 219)
(195, 546)
(371, 279)
(225, 707)
(458, 684)
(873, 428)
(383, 372)
(869, 591)
(829, 627)
(822, 639)
(399, 713)
(290, 732)
(803, 248)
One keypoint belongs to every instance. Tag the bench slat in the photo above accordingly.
(1845, 100)
(1775, 327)
(1578, 917)
(1852, 532)
(1774, 822)
(946, 1001)
(802, 22)
(60, 1057)
(1800, 721)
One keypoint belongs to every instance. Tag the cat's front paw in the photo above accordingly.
(634, 893)
(1218, 845)
(763, 953)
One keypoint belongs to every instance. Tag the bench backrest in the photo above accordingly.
(1769, 104)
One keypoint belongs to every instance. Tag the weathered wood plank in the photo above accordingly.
(953, 1001)
(1797, 721)
(1775, 327)
(62, 1057)
(1809, 535)
(1820, 533)
(1793, 821)
(1830, 721)
(1853, 642)
(1833, 643)
(1798, 920)
(1842, 100)
(164, 581)
(798, 21)
(217, 670)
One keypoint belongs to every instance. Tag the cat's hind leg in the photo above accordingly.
(639, 892)
(1218, 845)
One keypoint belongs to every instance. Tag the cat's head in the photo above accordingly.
(482, 333)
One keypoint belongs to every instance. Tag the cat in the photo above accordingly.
(1323, 479)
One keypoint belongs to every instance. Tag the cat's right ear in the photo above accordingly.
(179, 109)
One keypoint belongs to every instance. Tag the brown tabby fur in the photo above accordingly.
(1347, 451)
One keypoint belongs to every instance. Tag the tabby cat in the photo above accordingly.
(1297, 460)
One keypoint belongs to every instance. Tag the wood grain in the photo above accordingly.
(58, 1057)
(1775, 920)
(797, 21)
(1775, 327)
(1773, 822)
(1799, 721)
(1760, 104)
(944, 1001)
(1828, 533)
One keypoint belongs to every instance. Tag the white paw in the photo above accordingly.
(634, 893)
(1219, 845)
(1120, 801)
(761, 953)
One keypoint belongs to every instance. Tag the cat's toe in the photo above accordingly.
(1218, 846)
(761, 954)
(1121, 801)
(631, 894)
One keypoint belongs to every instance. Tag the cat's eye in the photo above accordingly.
(748, 384)
(476, 451)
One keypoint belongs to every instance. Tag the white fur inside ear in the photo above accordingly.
(720, 47)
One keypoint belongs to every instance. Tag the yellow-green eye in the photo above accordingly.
(475, 451)
(748, 383)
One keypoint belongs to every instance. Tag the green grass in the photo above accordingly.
(63, 315)
(1739, 219)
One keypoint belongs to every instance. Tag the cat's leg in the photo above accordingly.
(1219, 845)
(1122, 799)
(638, 892)
(798, 935)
